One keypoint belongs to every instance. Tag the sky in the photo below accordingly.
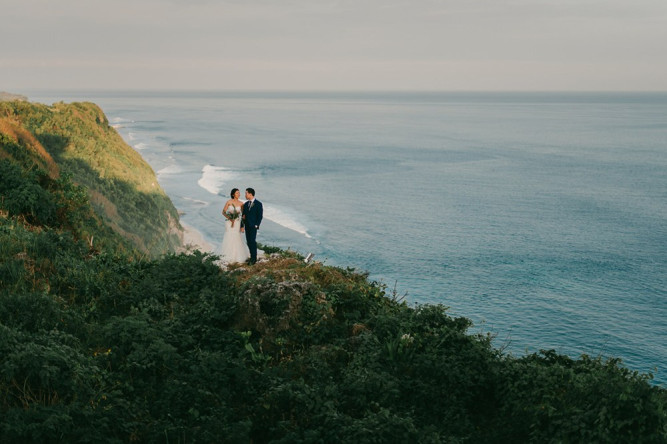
(334, 45)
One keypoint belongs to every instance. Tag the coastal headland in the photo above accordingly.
(109, 334)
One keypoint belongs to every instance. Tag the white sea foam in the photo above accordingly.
(119, 122)
(197, 201)
(213, 178)
(286, 218)
(140, 146)
(170, 170)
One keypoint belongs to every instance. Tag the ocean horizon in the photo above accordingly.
(540, 216)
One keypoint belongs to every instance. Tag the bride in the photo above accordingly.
(234, 247)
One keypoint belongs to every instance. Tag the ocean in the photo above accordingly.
(542, 217)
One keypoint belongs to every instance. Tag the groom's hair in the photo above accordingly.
(250, 190)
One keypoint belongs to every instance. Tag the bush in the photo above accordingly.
(22, 194)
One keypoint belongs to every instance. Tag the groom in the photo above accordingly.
(252, 217)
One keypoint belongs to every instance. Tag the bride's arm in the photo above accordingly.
(224, 210)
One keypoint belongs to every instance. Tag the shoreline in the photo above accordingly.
(193, 239)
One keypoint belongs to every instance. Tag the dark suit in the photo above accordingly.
(252, 218)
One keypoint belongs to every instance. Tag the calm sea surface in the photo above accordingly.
(541, 217)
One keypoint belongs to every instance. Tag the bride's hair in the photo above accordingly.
(234, 190)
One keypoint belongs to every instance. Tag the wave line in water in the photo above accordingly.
(285, 218)
(197, 201)
(213, 178)
(119, 122)
(169, 170)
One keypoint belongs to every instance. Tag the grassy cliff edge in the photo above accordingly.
(101, 342)
(77, 139)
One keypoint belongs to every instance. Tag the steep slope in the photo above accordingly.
(76, 138)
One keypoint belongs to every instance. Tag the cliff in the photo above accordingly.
(76, 139)
(9, 96)
(101, 343)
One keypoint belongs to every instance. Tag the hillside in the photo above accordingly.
(76, 139)
(9, 96)
(99, 342)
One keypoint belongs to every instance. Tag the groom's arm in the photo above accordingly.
(260, 214)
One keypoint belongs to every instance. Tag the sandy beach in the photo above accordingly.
(193, 239)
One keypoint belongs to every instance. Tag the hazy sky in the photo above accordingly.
(334, 44)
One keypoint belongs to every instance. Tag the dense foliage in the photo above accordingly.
(102, 344)
(111, 348)
(77, 138)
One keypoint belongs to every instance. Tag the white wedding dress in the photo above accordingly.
(234, 247)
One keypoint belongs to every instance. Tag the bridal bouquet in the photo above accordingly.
(233, 215)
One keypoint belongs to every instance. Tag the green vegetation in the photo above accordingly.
(77, 138)
(101, 343)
